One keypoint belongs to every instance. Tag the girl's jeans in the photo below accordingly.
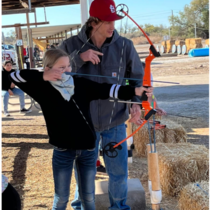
(63, 161)
(116, 168)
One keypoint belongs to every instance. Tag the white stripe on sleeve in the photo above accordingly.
(19, 77)
(116, 91)
(111, 93)
(13, 77)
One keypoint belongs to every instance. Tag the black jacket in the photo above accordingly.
(68, 123)
(6, 82)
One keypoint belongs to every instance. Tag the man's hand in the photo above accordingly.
(10, 92)
(161, 112)
(91, 55)
(52, 74)
(12, 85)
(135, 112)
(139, 91)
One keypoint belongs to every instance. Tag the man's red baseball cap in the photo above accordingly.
(104, 10)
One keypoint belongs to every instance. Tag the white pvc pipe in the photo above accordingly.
(156, 197)
(84, 11)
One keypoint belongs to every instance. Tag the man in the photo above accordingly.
(99, 50)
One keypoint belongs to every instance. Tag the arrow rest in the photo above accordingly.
(120, 8)
(110, 151)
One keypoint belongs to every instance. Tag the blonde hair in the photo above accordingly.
(52, 55)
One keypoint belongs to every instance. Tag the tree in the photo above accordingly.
(195, 13)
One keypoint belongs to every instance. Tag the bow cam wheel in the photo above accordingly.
(110, 151)
(120, 8)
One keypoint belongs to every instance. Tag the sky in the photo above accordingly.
(143, 12)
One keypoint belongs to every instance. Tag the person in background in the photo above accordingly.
(8, 89)
(48, 47)
(52, 47)
(10, 197)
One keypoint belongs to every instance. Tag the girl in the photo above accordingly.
(65, 102)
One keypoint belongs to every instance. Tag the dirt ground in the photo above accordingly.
(26, 154)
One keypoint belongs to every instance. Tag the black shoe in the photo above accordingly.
(25, 110)
(101, 169)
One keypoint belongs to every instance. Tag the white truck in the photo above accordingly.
(8, 54)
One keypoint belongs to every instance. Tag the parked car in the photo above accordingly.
(11, 47)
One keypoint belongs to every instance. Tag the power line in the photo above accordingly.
(151, 15)
(153, 12)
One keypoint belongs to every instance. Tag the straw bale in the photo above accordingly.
(141, 139)
(195, 41)
(170, 42)
(173, 133)
(192, 197)
(207, 41)
(179, 42)
(163, 43)
(187, 41)
(195, 46)
(180, 164)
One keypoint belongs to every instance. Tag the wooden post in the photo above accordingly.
(148, 159)
(30, 43)
(47, 40)
(129, 140)
(20, 56)
(66, 34)
(154, 171)
(71, 31)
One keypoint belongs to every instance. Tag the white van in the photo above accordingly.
(8, 54)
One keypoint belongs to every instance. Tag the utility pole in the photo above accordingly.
(172, 18)
(195, 30)
(169, 32)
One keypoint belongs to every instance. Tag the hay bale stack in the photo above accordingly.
(207, 41)
(169, 44)
(141, 139)
(163, 43)
(194, 197)
(179, 42)
(173, 133)
(180, 164)
(193, 43)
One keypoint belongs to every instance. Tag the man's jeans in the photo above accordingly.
(116, 168)
(63, 161)
(17, 92)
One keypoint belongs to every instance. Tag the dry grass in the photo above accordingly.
(143, 40)
(195, 196)
(180, 164)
